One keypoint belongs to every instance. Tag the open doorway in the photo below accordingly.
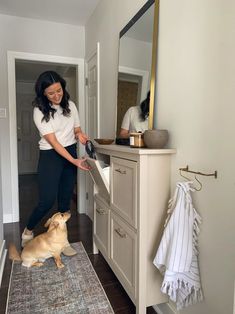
(129, 94)
(27, 134)
(133, 85)
(17, 81)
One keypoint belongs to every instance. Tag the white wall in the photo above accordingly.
(31, 36)
(104, 26)
(1, 209)
(2, 241)
(195, 97)
(195, 103)
(131, 52)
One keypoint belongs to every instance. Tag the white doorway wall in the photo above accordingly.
(92, 117)
(13, 57)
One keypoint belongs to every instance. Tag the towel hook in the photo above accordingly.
(188, 179)
(214, 174)
(200, 184)
(183, 175)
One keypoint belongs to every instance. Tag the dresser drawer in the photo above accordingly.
(123, 252)
(102, 226)
(124, 189)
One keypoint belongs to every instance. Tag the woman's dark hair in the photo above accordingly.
(144, 106)
(44, 80)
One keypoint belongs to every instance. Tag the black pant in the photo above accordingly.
(56, 179)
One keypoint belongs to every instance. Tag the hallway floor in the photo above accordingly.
(79, 229)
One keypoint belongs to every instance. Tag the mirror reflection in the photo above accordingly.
(134, 74)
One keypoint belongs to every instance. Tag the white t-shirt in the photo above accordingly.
(62, 126)
(132, 121)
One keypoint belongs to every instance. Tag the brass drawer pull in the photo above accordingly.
(101, 211)
(121, 171)
(120, 233)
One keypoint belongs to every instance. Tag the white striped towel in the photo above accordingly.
(177, 255)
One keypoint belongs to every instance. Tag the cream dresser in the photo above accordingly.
(129, 216)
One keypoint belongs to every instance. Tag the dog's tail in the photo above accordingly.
(13, 253)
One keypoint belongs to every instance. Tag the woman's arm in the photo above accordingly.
(79, 135)
(52, 140)
(125, 126)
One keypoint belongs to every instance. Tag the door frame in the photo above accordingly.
(94, 53)
(12, 56)
(142, 73)
(97, 53)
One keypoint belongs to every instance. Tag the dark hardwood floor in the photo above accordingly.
(79, 229)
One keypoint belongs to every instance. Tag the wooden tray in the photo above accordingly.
(104, 141)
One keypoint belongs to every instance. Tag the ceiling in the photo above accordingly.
(75, 12)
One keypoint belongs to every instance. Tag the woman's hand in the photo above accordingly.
(80, 136)
(81, 163)
(124, 133)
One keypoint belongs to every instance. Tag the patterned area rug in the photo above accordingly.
(72, 289)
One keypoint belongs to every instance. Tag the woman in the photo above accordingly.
(57, 120)
(136, 119)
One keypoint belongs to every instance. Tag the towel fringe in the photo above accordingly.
(173, 288)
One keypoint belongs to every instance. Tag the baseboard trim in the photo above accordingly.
(7, 218)
(165, 308)
(3, 254)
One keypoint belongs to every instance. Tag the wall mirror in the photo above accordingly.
(137, 61)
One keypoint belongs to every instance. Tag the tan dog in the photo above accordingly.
(45, 245)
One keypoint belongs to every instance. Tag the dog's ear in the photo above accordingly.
(50, 220)
(47, 223)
